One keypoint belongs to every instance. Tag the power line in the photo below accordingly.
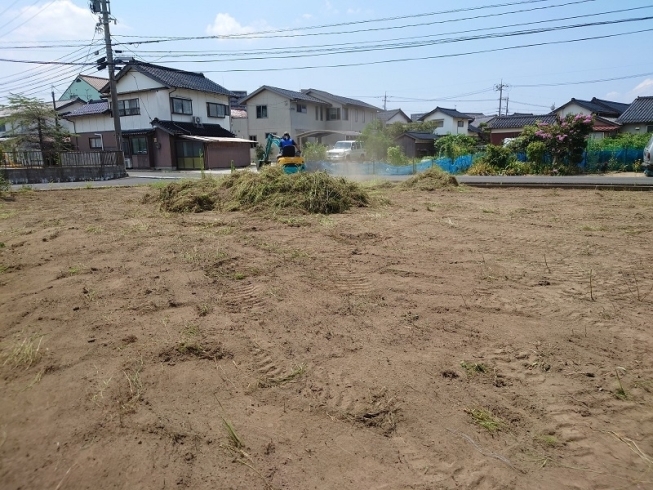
(23, 23)
(10, 5)
(403, 46)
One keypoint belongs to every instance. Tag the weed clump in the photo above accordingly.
(269, 189)
(432, 179)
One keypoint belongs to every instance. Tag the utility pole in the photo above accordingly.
(507, 101)
(105, 10)
(499, 88)
(54, 107)
(385, 102)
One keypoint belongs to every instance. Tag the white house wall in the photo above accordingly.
(91, 124)
(278, 119)
(572, 109)
(450, 124)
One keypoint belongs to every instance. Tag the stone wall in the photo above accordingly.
(43, 175)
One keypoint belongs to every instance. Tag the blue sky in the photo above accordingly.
(537, 76)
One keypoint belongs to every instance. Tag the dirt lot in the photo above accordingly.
(454, 339)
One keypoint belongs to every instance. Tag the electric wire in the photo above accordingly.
(23, 23)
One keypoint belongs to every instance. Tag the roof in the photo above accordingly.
(62, 104)
(599, 107)
(96, 82)
(385, 116)
(449, 112)
(417, 117)
(172, 78)
(421, 135)
(91, 109)
(289, 94)
(640, 111)
(217, 139)
(176, 128)
(473, 129)
(339, 99)
(519, 121)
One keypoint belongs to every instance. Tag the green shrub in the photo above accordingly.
(314, 152)
(396, 156)
(4, 185)
(518, 168)
(482, 168)
(497, 157)
(535, 152)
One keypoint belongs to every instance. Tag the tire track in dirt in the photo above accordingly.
(348, 282)
(245, 297)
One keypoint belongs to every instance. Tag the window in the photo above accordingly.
(321, 114)
(95, 143)
(438, 123)
(333, 114)
(363, 116)
(301, 108)
(461, 124)
(317, 113)
(345, 114)
(139, 145)
(216, 110)
(649, 129)
(129, 107)
(261, 112)
(253, 138)
(182, 106)
(3, 127)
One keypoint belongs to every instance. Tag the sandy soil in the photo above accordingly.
(456, 339)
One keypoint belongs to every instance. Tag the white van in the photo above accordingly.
(647, 163)
(346, 151)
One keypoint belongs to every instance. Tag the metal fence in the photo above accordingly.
(40, 159)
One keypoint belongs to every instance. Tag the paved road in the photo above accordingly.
(629, 181)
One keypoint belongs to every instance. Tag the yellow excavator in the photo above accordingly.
(289, 158)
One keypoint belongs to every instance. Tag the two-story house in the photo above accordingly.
(605, 112)
(169, 118)
(448, 121)
(307, 115)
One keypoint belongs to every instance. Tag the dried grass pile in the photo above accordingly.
(432, 179)
(269, 189)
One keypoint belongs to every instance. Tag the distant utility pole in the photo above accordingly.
(103, 7)
(54, 108)
(499, 88)
(385, 102)
(507, 101)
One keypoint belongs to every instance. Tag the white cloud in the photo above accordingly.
(307, 16)
(354, 11)
(61, 20)
(226, 25)
(644, 88)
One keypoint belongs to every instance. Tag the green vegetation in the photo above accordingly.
(4, 186)
(396, 156)
(485, 419)
(453, 146)
(314, 152)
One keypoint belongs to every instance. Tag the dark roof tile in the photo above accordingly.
(640, 111)
(90, 109)
(339, 99)
(189, 129)
(449, 112)
(519, 121)
(289, 94)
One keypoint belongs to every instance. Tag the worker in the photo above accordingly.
(287, 146)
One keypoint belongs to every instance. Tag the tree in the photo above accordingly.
(455, 145)
(33, 125)
(565, 140)
(378, 137)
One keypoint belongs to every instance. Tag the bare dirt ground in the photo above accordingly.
(454, 339)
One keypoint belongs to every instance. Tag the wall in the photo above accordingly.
(450, 124)
(632, 128)
(82, 89)
(572, 108)
(278, 119)
(221, 155)
(497, 136)
(81, 140)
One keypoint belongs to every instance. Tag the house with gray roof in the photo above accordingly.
(308, 115)
(606, 109)
(502, 127)
(170, 118)
(448, 121)
(638, 118)
(393, 116)
(84, 87)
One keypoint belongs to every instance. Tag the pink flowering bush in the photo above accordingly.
(565, 140)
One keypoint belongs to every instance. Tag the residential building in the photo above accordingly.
(417, 144)
(393, 116)
(169, 118)
(606, 109)
(638, 118)
(448, 121)
(84, 87)
(502, 127)
(307, 115)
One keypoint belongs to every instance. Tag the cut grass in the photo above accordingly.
(24, 353)
(473, 368)
(431, 180)
(270, 189)
(483, 418)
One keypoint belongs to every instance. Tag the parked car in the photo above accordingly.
(346, 151)
(647, 163)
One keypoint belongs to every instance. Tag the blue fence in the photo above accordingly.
(460, 165)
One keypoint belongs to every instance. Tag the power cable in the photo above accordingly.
(23, 23)
(10, 5)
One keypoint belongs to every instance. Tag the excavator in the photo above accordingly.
(288, 158)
